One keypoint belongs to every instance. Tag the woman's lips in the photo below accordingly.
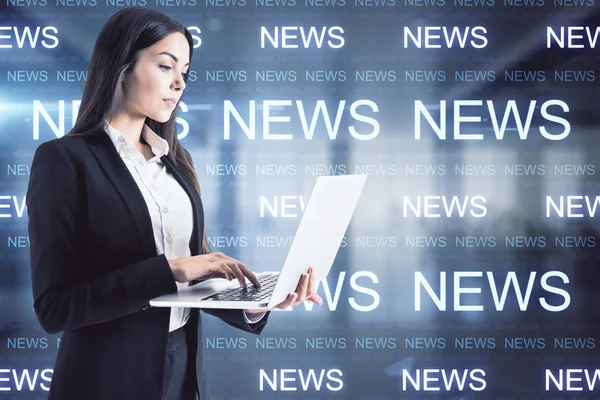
(170, 103)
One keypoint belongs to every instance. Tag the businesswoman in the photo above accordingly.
(116, 219)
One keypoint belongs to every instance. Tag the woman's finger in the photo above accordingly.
(241, 266)
(311, 283)
(287, 302)
(315, 298)
(237, 272)
(223, 269)
(227, 269)
(248, 273)
(301, 291)
(311, 293)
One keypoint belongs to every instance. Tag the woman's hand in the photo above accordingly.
(304, 291)
(218, 265)
(213, 265)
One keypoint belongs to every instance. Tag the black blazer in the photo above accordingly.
(94, 269)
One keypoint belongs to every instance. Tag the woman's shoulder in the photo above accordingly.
(70, 144)
(79, 138)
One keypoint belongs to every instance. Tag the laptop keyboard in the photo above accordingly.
(251, 293)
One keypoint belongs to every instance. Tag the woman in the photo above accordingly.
(115, 219)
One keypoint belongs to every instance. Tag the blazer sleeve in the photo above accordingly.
(236, 319)
(60, 301)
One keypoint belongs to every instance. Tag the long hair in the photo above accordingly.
(115, 55)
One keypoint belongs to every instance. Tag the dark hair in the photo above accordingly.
(115, 55)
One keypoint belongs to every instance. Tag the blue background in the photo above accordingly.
(371, 289)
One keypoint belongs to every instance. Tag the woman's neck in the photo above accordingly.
(130, 128)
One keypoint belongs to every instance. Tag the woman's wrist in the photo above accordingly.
(175, 266)
(254, 311)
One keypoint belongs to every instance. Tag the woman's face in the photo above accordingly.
(157, 77)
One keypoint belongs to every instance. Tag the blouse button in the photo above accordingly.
(169, 239)
(165, 210)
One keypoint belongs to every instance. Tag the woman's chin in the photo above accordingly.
(162, 118)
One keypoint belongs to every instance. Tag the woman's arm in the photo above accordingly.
(62, 302)
(237, 319)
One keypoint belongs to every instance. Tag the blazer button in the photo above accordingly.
(144, 308)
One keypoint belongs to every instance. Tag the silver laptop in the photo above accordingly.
(320, 232)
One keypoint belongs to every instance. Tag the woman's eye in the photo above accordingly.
(167, 68)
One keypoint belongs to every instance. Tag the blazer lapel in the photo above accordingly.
(116, 170)
(196, 205)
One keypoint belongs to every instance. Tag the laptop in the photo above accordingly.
(320, 232)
